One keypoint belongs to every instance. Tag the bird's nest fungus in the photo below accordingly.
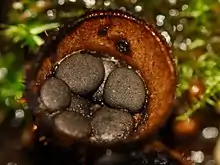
(104, 78)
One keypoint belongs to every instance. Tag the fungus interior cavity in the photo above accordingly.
(98, 97)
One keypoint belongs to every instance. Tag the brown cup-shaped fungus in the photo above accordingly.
(126, 38)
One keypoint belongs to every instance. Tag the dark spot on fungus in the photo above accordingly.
(123, 46)
(103, 30)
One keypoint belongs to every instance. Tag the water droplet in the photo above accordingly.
(7, 102)
(160, 20)
(19, 114)
(107, 3)
(174, 28)
(179, 27)
(3, 73)
(172, 2)
(183, 46)
(41, 3)
(53, 72)
(138, 8)
(166, 36)
(61, 2)
(173, 12)
(34, 127)
(197, 156)
(28, 13)
(51, 14)
(195, 89)
(133, 1)
(122, 8)
(17, 5)
(89, 3)
(42, 138)
(204, 30)
(188, 41)
(184, 7)
(210, 132)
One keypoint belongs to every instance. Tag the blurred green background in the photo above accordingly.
(190, 27)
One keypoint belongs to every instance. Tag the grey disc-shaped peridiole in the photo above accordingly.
(55, 94)
(72, 125)
(124, 88)
(82, 72)
(110, 125)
